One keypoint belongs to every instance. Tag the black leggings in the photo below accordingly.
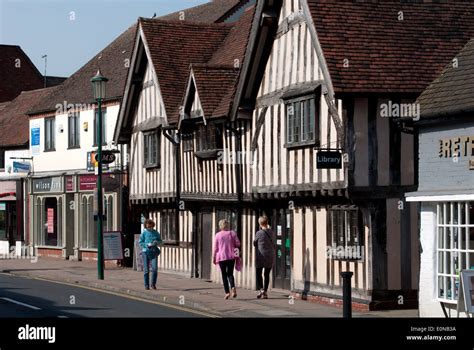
(227, 271)
(260, 280)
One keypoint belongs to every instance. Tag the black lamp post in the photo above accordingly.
(98, 88)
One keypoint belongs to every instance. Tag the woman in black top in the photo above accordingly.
(265, 252)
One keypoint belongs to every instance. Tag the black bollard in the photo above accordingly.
(346, 294)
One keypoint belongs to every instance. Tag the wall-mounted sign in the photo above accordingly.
(35, 140)
(87, 182)
(329, 160)
(108, 157)
(49, 184)
(92, 162)
(462, 146)
(113, 246)
(110, 182)
(70, 184)
(21, 167)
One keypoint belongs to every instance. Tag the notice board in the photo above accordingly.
(113, 246)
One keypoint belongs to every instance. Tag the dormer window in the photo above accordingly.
(209, 140)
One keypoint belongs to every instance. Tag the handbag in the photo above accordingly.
(238, 263)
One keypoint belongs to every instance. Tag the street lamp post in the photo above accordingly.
(98, 87)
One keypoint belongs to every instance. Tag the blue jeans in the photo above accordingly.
(146, 269)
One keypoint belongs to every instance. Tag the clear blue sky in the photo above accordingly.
(71, 32)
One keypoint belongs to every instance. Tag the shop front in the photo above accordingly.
(64, 215)
(446, 194)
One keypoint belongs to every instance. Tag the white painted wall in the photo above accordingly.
(74, 159)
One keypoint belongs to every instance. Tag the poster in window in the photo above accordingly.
(50, 224)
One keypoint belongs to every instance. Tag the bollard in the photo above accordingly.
(346, 294)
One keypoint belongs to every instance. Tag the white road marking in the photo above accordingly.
(20, 303)
(62, 317)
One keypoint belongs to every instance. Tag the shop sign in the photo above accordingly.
(457, 147)
(49, 184)
(19, 167)
(329, 160)
(70, 184)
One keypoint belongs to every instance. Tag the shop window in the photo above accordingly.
(89, 229)
(301, 119)
(168, 231)
(455, 252)
(345, 234)
(3, 221)
(50, 221)
(151, 150)
(49, 134)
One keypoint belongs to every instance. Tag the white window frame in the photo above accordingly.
(446, 229)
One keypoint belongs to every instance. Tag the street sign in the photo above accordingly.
(329, 160)
(108, 157)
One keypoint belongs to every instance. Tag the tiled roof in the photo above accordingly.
(14, 123)
(213, 11)
(17, 73)
(215, 86)
(174, 46)
(452, 92)
(217, 81)
(113, 62)
(384, 53)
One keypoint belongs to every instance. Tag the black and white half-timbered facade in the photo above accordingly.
(299, 112)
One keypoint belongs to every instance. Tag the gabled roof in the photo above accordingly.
(216, 81)
(212, 12)
(452, 93)
(386, 54)
(112, 62)
(174, 46)
(215, 86)
(17, 73)
(14, 123)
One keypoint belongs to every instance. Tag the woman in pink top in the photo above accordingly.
(226, 250)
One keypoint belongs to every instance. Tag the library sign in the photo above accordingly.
(457, 148)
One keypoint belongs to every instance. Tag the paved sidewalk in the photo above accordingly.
(180, 291)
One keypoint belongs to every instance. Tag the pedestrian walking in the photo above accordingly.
(226, 251)
(264, 243)
(150, 239)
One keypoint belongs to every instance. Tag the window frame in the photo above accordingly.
(50, 130)
(156, 163)
(313, 121)
(209, 140)
(449, 226)
(168, 229)
(351, 240)
(74, 119)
